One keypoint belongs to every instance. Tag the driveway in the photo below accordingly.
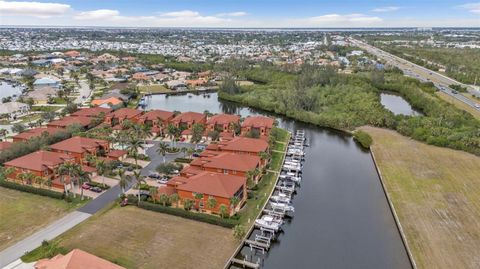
(84, 90)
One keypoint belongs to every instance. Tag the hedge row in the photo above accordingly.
(228, 223)
(183, 160)
(31, 189)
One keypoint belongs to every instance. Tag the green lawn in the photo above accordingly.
(154, 89)
(22, 214)
(279, 146)
(276, 162)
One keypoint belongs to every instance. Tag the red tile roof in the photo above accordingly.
(223, 119)
(76, 259)
(167, 190)
(91, 111)
(36, 132)
(245, 144)
(153, 115)
(189, 117)
(214, 184)
(116, 153)
(258, 122)
(78, 144)
(125, 113)
(70, 120)
(229, 161)
(5, 145)
(37, 161)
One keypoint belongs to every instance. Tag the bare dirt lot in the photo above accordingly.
(436, 193)
(137, 238)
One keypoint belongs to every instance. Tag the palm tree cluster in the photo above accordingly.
(76, 175)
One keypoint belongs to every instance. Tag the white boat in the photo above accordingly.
(269, 222)
(282, 206)
(281, 197)
(295, 179)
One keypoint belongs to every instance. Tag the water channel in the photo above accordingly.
(7, 89)
(342, 218)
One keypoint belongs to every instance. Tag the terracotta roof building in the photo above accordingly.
(228, 163)
(36, 132)
(222, 122)
(76, 259)
(70, 120)
(80, 147)
(113, 101)
(91, 112)
(118, 116)
(243, 145)
(40, 163)
(5, 145)
(221, 187)
(187, 119)
(157, 118)
(261, 124)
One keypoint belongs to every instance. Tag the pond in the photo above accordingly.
(397, 105)
(342, 218)
(8, 89)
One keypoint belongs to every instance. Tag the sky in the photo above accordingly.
(242, 13)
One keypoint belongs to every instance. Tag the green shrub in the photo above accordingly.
(228, 223)
(363, 138)
(46, 250)
(31, 189)
(183, 160)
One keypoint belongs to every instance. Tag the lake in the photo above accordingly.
(397, 105)
(342, 218)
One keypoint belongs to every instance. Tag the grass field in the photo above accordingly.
(137, 238)
(153, 89)
(22, 214)
(459, 104)
(436, 193)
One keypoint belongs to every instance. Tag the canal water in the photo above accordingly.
(397, 105)
(7, 89)
(342, 218)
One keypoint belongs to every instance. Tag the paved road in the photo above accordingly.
(50, 232)
(84, 90)
(416, 71)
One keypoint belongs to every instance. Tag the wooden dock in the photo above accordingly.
(245, 263)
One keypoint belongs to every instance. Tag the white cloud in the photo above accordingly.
(337, 20)
(472, 7)
(97, 14)
(181, 13)
(233, 14)
(386, 9)
(36, 9)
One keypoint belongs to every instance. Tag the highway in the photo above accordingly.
(440, 81)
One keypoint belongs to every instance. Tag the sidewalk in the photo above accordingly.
(58, 227)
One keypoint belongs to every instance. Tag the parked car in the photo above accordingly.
(86, 186)
(154, 175)
(96, 189)
(163, 180)
(454, 92)
(196, 155)
(477, 105)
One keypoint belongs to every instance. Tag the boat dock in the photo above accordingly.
(278, 207)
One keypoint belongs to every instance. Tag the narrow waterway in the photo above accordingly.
(342, 218)
(7, 89)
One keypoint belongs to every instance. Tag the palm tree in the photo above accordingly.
(198, 197)
(5, 172)
(73, 171)
(39, 180)
(250, 179)
(171, 131)
(164, 199)
(83, 177)
(154, 193)
(190, 151)
(223, 210)
(160, 125)
(101, 169)
(197, 133)
(187, 204)
(63, 171)
(133, 145)
(124, 179)
(211, 202)
(184, 151)
(234, 202)
(3, 133)
(162, 150)
(174, 198)
(140, 180)
(26, 177)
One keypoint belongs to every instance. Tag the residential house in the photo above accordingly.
(35, 132)
(80, 147)
(226, 163)
(5, 145)
(260, 124)
(221, 187)
(70, 120)
(157, 118)
(91, 112)
(107, 103)
(14, 109)
(42, 95)
(75, 259)
(118, 116)
(187, 119)
(40, 163)
(222, 122)
(240, 145)
(46, 82)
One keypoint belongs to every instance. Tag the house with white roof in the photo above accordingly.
(46, 82)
